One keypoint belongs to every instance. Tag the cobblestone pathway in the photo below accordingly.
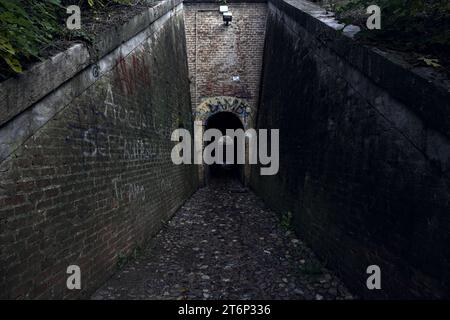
(224, 244)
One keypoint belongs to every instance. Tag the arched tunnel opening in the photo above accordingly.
(229, 169)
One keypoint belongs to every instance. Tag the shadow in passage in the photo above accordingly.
(225, 171)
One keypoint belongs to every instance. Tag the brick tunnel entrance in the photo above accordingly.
(87, 177)
(229, 169)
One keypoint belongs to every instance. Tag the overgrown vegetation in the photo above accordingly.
(312, 267)
(286, 221)
(123, 259)
(420, 28)
(28, 26)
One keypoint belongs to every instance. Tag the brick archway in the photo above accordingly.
(235, 105)
(211, 106)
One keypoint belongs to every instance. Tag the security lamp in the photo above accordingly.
(227, 18)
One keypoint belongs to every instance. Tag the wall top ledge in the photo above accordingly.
(428, 94)
(22, 91)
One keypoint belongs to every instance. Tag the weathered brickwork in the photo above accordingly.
(217, 53)
(97, 180)
(367, 181)
(86, 175)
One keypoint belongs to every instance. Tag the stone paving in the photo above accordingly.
(224, 244)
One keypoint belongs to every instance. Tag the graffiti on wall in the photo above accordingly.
(224, 104)
(93, 129)
(128, 191)
(135, 72)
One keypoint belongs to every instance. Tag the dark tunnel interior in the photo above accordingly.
(223, 121)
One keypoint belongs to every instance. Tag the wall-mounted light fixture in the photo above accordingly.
(227, 16)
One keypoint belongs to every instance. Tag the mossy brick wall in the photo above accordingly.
(365, 175)
(95, 181)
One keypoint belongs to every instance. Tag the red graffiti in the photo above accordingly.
(124, 77)
(132, 74)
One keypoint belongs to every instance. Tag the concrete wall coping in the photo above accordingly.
(19, 93)
(428, 96)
